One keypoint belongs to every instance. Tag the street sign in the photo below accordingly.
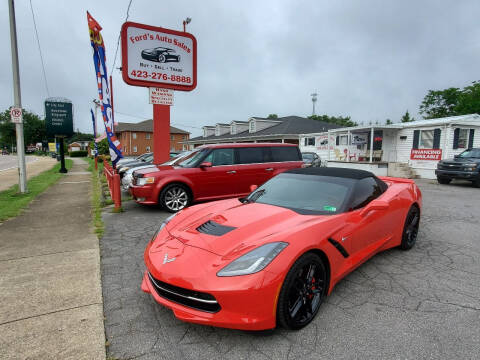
(157, 57)
(161, 96)
(16, 115)
(59, 117)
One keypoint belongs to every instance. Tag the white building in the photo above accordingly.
(402, 149)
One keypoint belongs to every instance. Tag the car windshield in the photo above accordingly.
(305, 194)
(179, 158)
(307, 156)
(148, 158)
(471, 153)
(193, 159)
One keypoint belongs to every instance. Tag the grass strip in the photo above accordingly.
(97, 176)
(12, 202)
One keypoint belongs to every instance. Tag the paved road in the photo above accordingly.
(424, 303)
(10, 161)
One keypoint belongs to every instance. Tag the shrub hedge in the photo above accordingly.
(79, 153)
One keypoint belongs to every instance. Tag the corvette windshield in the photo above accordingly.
(305, 194)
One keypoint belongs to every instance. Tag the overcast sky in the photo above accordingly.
(370, 60)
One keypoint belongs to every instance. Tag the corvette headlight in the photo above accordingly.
(145, 180)
(164, 223)
(253, 261)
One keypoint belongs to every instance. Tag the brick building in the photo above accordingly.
(137, 138)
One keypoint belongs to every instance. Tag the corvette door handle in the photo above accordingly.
(269, 169)
(231, 172)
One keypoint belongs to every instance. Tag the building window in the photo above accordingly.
(147, 149)
(172, 137)
(148, 136)
(252, 126)
(309, 141)
(125, 149)
(463, 138)
(343, 140)
(134, 149)
(426, 139)
(184, 137)
(134, 135)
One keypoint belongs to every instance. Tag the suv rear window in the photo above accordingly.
(285, 153)
(252, 155)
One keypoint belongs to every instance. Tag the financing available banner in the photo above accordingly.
(96, 40)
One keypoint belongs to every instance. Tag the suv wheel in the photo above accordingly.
(175, 197)
(476, 183)
(443, 180)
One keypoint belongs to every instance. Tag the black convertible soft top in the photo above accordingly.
(334, 172)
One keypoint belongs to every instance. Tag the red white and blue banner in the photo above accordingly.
(104, 94)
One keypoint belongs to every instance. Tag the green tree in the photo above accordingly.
(451, 102)
(102, 147)
(388, 122)
(33, 129)
(78, 136)
(407, 118)
(272, 116)
(344, 121)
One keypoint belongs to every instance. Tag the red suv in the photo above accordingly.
(213, 172)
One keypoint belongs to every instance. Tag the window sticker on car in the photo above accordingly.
(329, 208)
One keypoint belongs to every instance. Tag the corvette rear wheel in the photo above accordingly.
(302, 293)
(410, 229)
(175, 197)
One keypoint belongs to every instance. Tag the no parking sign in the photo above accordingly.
(16, 115)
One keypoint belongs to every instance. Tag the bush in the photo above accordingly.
(79, 153)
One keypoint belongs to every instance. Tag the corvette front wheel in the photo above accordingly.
(302, 293)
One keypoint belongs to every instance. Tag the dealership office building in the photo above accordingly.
(402, 149)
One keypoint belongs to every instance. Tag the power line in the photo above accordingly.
(118, 41)
(39, 49)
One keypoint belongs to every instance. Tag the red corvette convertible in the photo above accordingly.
(271, 258)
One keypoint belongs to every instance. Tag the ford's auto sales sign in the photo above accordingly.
(158, 57)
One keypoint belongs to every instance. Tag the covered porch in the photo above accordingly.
(363, 144)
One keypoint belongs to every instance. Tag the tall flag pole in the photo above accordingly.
(95, 152)
(104, 93)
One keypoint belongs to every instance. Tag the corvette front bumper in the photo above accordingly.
(244, 302)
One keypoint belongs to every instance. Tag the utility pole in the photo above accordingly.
(314, 100)
(22, 172)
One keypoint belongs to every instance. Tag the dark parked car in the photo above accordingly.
(464, 166)
(128, 165)
(311, 159)
(160, 54)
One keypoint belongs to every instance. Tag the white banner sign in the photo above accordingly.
(16, 115)
(160, 96)
(156, 56)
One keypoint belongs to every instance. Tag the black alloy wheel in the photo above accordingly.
(161, 58)
(175, 197)
(303, 291)
(443, 180)
(410, 229)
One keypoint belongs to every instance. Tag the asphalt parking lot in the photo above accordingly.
(424, 303)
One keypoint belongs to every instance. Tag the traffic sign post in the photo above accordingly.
(22, 170)
(16, 115)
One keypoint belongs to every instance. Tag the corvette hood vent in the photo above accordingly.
(215, 229)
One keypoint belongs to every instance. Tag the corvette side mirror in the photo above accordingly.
(253, 188)
(205, 164)
(374, 205)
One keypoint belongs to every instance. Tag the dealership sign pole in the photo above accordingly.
(162, 59)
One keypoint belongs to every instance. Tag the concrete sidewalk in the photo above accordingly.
(50, 292)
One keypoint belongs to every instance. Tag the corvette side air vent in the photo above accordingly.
(215, 229)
